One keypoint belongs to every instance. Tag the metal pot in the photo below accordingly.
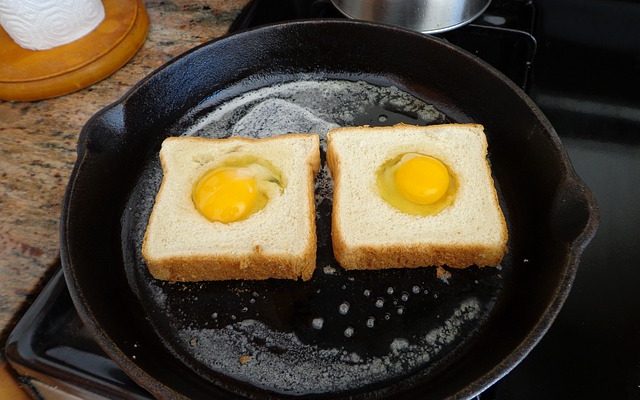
(426, 16)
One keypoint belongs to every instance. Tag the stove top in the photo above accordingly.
(501, 35)
(582, 81)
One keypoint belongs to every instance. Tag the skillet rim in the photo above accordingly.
(571, 182)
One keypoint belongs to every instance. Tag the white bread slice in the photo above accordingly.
(278, 241)
(368, 233)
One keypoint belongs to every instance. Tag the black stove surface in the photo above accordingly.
(584, 80)
(501, 36)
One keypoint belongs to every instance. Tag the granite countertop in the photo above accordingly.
(38, 139)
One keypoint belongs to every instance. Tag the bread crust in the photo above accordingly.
(408, 256)
(251, 266)
(245, 139)
(255, 266)
(395, 256)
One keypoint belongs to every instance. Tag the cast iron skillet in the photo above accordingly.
(551, 217)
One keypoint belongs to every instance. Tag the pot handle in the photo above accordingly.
(575, 214)
(101, 130)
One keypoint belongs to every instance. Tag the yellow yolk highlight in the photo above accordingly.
(422, 179)
(225, 195)
(416, 184)
(237, 188)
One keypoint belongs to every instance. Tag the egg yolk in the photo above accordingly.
(422, 179)
(416, 184)
(225, 195)
(236, 189)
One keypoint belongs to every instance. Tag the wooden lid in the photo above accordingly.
(39, 74)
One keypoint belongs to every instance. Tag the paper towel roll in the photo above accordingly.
(43, 24)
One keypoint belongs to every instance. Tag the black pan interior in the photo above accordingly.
(168, 336)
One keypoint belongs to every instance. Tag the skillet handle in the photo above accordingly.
(575, 215)
(102, 130)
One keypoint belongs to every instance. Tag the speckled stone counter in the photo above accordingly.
(37, 146)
